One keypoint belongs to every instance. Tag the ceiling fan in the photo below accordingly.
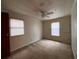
(45, 13)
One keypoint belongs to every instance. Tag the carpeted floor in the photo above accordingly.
(44, 49)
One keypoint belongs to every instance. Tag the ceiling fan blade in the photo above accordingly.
(49, 13)
(44, 16)
(47, 16)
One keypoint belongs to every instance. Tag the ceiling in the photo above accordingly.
(31, 7)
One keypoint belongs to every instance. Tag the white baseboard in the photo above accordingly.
(24, 45)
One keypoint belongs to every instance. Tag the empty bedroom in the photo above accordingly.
(38, 29)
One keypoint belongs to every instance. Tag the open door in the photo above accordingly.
(5, 43)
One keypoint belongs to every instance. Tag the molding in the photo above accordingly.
(75, 2)
(23, 46)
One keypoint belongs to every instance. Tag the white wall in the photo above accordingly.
(65, 29)
(74, 29)
(32, 31)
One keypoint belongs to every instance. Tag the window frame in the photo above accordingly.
(10, 27)
(51, 29)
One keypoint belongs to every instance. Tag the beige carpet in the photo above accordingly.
(44, 49)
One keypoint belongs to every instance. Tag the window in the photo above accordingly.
(16, 27)
(55, 29)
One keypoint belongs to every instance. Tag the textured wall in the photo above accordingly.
(74, 29)
(32, 31)
(65, 31)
